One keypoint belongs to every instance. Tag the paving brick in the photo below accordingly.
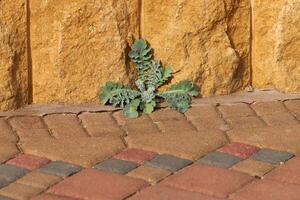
(122, 120)
(19, 191)
(39, 180)
(116, 166)
(96, 184)
(4, 198)
(10, 173)
(168, 162)
(253, 167)
(217, 182)
(46, 196)
(269, 107)
(283, 138)
(210, 123)
(150, 174)
(161, 192)
(141, 128)
(189, 145)
(236, 110)
(60, 168)
(272, 156)
(239, 149)
(166, 114)
(289, 172)
(65, 125)
(173, 125)
(100, 124)
(85, 152)
(136, 155)
(29, 127)
(202, 111)
(29, 162)
(6, 133)
(280, 119)
(294, 107)
(7, 150)
(245, 122)
(268, 190)
(219, 159)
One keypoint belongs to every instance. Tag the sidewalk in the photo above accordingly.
(237, 147)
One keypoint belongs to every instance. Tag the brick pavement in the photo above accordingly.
(221, 148)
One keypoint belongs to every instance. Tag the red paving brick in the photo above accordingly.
(207, 180)
(239, 149)
(98, 185)
(268, 190)
(51, 197)
(289, 172)
(161, 192)
(28, 161)
(136, 155)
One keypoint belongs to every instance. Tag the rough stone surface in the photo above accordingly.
(149, 174)
(168, 193)
(219, 159)
(136, 155)
(19, 191)
(280, 119)
(267, 190)
(14, 67)
(272, 156)
(207, 180)
(213, 52)
(276, 45)
(269, 107)
(6, 133)
(284, 138)
(236, 110)
(7, 150)
(253, 167)
(79, 45)
(245, 122)
(189, 145)
(95, 184)
(116, 166)
(84, 151)
(59, 168)
(29, 162)
(168, 162)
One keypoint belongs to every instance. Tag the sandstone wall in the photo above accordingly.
(13, 54)
(276, 48)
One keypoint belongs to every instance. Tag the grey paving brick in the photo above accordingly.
(4, 198)
(116, 166)
(10, 173)
(60, 168)
(168, 162)
(272, 156)
(219, 159)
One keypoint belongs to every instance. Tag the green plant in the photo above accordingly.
(150, 76)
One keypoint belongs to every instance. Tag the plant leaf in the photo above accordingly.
(179, 95)
(130, 110)
(148, 107)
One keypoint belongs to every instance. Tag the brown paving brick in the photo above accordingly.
(136, 155)
(96, 184)
(47, 196)
(19, 192)
(166, 114)
(284, 138)
(29, 127)
(122, 120)
(6, 133)
(100, 124)
(210, 123)
(150, 174)
(253, 167)
(64, 125)
(39, 180)
(7, 150)
(280, 119)
(28, 161)
(84, 151)
(269, 107)
(172, 125)
(293, 105)
(202, 111)
(161, 192)
(245, 122)
(212, 181)
(236, 110)
(239, 149)
(190, 145)
(268, 190)
(141, 128)
(289, 172)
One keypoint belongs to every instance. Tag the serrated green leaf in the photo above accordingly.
(148, 107)
(130, 110)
